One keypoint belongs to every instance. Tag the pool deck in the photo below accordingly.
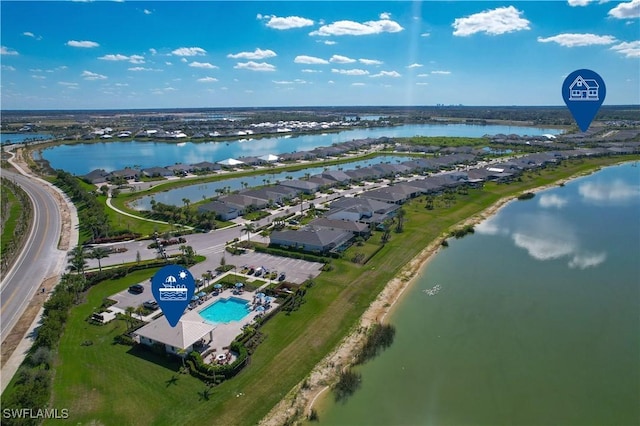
(225, 333)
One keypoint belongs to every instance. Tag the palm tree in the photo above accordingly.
(186, 202)
(77, 262)
(129, 310)
(248, 229)
(400, 224)
(99, 253)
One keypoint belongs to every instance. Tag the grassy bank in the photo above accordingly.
(113, 384)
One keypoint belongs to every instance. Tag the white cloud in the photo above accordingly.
(574, 3)
(256, 54)
(626, 10)
(576, 40)
(552, 201)
(328, 42)
(147, 12)
(207, 80)
(350, 72)
(82, 43)
(116, 57)
(32, 35)
(88, 75)
(629, 50)
(286, 23)
(339, 59)
(168, 63)
(340, 28)
(385, 15)
(189, 51)
(136, 59)
(206, 65)
(255, 66)
(331, 82)
(39, 77)
(68, 84)
(544, 247)
(494, 22)
(141, 69)
(441, 72)
(425, 34)
(414, 65)
(184, 60)
(282, 82)
(310, 70)
(610, 192)
(422, 75)
(422, 84)
(7, 68)
(393, 74)
(357, 84)
(309, 60)
(153, 51)
(370, 61)
(587, 260)
(7, 51)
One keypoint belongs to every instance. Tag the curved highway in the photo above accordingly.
(40, 257)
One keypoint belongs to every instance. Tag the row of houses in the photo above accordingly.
(356, 216)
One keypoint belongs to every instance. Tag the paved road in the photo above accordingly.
(40, 257)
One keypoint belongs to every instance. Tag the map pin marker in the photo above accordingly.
(583, 91)
(173, 287)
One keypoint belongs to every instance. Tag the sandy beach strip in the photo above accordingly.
(301, 399)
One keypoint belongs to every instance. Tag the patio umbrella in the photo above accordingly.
(194, 298)
(267, 299)
(260, 295)
(201, 294)
(239, 285)
(218, 286)
(260, 309)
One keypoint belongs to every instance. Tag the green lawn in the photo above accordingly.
(112, 384)
(14, 207)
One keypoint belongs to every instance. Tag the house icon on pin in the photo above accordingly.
(583, 90)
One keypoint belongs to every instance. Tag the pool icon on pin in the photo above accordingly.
(173, 287)
(583, 92)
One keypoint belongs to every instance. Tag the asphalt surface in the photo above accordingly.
(40, 257)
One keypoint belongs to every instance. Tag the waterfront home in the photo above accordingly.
(312, 239)
(323, 183)
(205, 166)
(336, 176)
(396, 194)
(152, 172)
(127, 174)
(244, 202)
(358, 228)
(222, 210)
(96, 176)
(303, 186)
(361, 209)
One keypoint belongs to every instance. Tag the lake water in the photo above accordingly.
(80, 159)
(536, 322)
(20, 137)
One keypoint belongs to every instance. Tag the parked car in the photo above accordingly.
(150, 304)
(258, 271)
(136, 289)
(282, 276)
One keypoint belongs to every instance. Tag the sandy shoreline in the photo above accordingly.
(300, 400)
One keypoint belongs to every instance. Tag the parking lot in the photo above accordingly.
(125, 298)
(297, 271)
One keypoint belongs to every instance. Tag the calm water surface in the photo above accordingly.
(536, 323)
(80, 159)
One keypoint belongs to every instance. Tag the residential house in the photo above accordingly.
(96, 176)
(222, 210)
(312, 239)
(358, 228)
(336, 176)
(152, 172)
(303, 186)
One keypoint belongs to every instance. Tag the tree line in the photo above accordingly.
(12, 243)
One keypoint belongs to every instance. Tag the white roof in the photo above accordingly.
(269, 157)
(183, 335)
(230, 162)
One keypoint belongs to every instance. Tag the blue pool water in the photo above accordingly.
(226, 310)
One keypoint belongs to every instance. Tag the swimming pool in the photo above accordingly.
(226, 310)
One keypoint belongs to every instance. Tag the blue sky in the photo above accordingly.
(132, 54)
